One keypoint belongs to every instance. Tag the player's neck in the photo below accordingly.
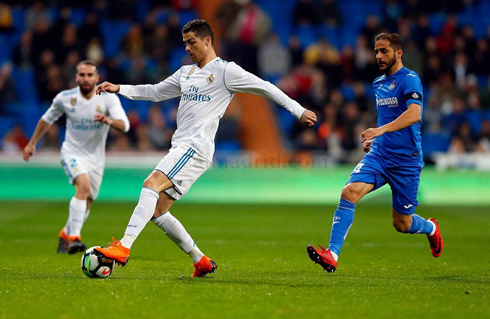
(395, 68)
(210, 57)
(89, 95)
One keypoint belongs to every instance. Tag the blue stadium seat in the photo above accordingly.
(186, 16)
(228, 146)
(436, 22)
(6, 123)
(332, 34)
(176, 57)
(25, 86)
(348, 93)
(434, 142)
(18, 16)
(306, 34)
(77, 16)
(113, 32)
(142, 10)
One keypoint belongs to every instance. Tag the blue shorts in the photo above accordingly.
(404, 180)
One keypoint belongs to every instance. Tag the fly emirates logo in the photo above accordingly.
(193, 95)
(389, 102)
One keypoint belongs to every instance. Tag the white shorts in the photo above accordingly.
(183, 166)
(75, 166)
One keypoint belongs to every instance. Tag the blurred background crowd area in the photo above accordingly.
(320, 52)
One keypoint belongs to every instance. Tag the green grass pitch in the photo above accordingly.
(264, 271)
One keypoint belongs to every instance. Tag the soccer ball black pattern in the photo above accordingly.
(94, 265)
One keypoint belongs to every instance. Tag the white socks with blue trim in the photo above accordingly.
(174, 229)
(76, 217)
(141, 215)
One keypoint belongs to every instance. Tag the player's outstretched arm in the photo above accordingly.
(239, 80)
(308, 118)
(41, 129)
(107, 87)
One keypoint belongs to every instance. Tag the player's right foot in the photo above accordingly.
(76, 246)
(63, 243)
(116, 251)
(205, 266)
(69, 244)
(323, 257)
(435, 241)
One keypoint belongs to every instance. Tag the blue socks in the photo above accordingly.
(342, 221)
(420, 226)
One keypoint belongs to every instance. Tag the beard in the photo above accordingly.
(86, 90)
(389, 64)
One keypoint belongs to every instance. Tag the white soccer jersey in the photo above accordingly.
(204, 96)
(84, 137)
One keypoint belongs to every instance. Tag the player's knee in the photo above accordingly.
(401, 226)
(150, 183)
(350, 193)
(83, 190)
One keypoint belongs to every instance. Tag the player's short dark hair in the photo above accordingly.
(200, 28)
(396, 41)
(89, 62)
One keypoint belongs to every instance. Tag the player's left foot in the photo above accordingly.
(323, 257)
(435, 241)
(205, 266)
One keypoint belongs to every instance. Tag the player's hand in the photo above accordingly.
(103, 119)
(29, 150)
(367, 146)
(308, 118)
(107, 87)
(370, 134)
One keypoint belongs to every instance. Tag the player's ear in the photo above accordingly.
(399, 53)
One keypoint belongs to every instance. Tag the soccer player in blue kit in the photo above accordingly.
(394, 156)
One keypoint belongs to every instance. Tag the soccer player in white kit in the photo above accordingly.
(88, 119)
(205, 90)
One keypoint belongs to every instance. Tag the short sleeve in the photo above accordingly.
(55, 111)
(413, 89)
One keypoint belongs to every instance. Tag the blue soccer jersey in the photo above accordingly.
(394, 94)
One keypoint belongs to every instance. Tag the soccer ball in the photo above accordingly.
(94, 265)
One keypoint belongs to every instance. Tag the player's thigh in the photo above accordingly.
(366, 177)
(157, 181)
(404, 182)
(73, 167)
(353, 192)
(96, 173)
(182, 166)
(82, 184)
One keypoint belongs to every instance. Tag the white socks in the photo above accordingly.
(141, 215)
(174, 229)
(76, 217)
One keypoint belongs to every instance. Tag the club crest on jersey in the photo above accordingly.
(210, 79)
(392, 85)
(98, 109)
(191, 72)
(73, 101)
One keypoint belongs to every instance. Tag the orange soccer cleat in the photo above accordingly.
(115, 251)
(70, 244)
(435, 241)
(205, 266)
(323, 257)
